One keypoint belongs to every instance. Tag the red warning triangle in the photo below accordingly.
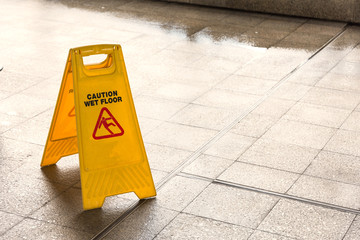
(72, 112)
(107, 126)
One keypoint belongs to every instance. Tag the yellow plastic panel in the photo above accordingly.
(62, 140)
(111, 150)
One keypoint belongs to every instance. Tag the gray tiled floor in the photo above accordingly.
(235, 206)
(299, 220)
(250, 122)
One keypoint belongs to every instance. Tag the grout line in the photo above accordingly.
(267, 214)
(220, 134)
(112, 225)
(170, 222)
(291, 197)
(347, 231)
(268, 192)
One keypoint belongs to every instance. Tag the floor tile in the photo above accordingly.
(230, 146)
(347, 68)
(239, 34)
(33, 229)
(177, 193)
(289, 58)
(352, 123)
(245, 19)
(246, 84)
(282, 24)
(7, 122)
(144, 223)
(176, 91)
(134, 5)
(318, 115)
(332, 192)
(187, 75)
(177, 58)
(179, 24)
(347, 40)
(198, 13)
(207, 166)
(291, 91)
(108, 34)
(217, 31)
(318, 39)
(232, 205)
(332, 98)
(274, 107)
(346, 142)
(263, 32)
(8, 221)
(325, 60)
(158, 176)
(254, 125)
(336, 167)
(20, 151)
(4, 94)
(147, 47)
(271, 72)
(282, 156)
(314, 25)
(179, 136)
(354, 230)
(32, 131)
(24, 106)
(340, 82)
(165, 158)
(321, 63)
(218, 63)
(66, 210)
(240, 54)
(197, 115)
(304, 221)
(186, 226)
(301, 134)
(36, 67)
(46, 116)
(10, 81)
(257, 235)
(259, 177)
(287, 43)
(156, 108)
(8, 165)
(304, 77)
(227, 99)
(22, 194)
(147, 124)
(48, 89)
(65, 172)
(251, 39)
(276, 64)
(353, 56)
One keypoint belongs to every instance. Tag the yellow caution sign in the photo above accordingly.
(101, 125)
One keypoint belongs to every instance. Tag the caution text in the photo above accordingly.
(101, 98)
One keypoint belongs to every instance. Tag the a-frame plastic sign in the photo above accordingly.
(95, 116)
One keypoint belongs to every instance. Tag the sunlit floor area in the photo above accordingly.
(251, 122)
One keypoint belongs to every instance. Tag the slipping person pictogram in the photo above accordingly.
(107, 122)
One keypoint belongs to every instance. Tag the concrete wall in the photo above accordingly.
(339, 10)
